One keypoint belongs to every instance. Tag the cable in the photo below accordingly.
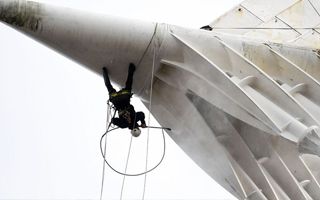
(137, 174)
(149, 127)
(150, 107)
(125, 174)
(150, 42)
(105, 146)
(128, 156)
(127, 163)
(163, 135)
(140, 61)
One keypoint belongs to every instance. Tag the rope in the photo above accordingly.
(146, 50)
(105, 146)
(150, 104)
(136, 174)
(140, 61)
(103, 152)
(127, 163)
(150, 107)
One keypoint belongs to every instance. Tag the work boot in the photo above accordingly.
(132, 67)
(105, 70)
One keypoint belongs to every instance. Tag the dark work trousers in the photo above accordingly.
(109, 85)
(107, 82)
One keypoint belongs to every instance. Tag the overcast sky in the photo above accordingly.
(53, 111)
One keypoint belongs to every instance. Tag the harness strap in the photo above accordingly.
(119, 93)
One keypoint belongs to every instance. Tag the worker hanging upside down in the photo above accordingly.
(128, 117)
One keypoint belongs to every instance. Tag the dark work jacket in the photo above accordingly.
(128, 114)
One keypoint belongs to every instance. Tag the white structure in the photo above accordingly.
(242, 100)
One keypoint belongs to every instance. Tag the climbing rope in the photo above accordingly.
(127, 163)
(105, 135)
(103, 152)
(136, 174)
(149, 117)
(105, 146)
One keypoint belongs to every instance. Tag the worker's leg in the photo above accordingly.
(140, 117)
(119, 122)
(129, 81)
(107, 81)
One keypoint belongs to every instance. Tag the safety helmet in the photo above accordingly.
(135, 132)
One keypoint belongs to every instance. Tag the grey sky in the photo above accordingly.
(53, 111)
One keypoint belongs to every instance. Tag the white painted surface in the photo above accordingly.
(280, 130)
(52, 119)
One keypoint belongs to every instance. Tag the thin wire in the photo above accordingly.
(140, 61)
(163, 135)
(125, 171)
(149, 117)
(137, 174)
(315, 9)
(148, 134)
(125, 174)
(146, 166)
(105, 146)
(150, 42)
(128, 156)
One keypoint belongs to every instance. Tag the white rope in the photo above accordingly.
(149, 117)
(142, 57)
(105, 146)
(127, 162)
(125, 174)
(141, 173)
(125, 171)
(130, 145)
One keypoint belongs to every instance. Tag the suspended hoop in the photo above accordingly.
(137, 174)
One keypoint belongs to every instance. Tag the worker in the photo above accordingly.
(128, 117)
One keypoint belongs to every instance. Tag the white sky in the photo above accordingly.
(52, 114)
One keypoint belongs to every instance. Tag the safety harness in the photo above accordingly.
(120, 96)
